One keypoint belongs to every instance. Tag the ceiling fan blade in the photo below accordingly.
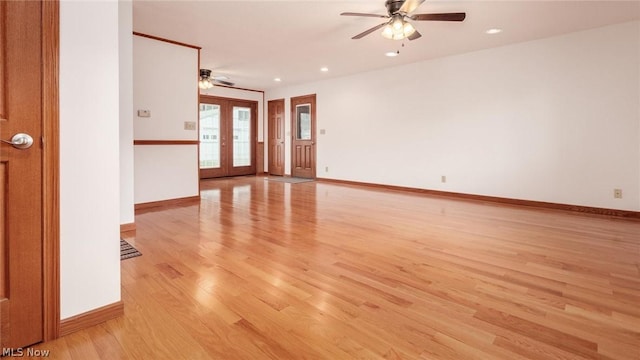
(416, 35)
(226, 83)
(361, 14)
(439, 17)
(365, 33)
(410, 5)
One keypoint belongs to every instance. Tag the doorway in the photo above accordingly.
(303, 142)
(228, 137)
(276, 137)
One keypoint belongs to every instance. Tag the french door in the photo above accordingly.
(227, 137)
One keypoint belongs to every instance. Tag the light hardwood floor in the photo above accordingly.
(267, 270)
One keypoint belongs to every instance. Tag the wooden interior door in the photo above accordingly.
(276, 137)
(303, 138)
(228, 137)
(21, 267)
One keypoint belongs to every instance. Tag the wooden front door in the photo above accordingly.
(276, 137)
(21, 247)
(303, 139)
(228, 137)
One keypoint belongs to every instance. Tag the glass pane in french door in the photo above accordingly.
(241, 136)
(209, 136)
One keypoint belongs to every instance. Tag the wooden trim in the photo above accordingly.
(239, 88)
(127, 227)
(166, 40)
(167, 203)
(165, 142)
(51, 169)
(260, 157)
(588, 210)
(198, 122)
(212, 99)
(91, 318)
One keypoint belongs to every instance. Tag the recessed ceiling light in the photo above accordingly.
(493, 31)
(392, 53)
(324, 69)
(277, 79)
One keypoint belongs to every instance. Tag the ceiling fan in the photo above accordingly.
(398, 27)
(207, 81)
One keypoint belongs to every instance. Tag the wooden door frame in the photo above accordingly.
(51, 169)
(313, 130)
(269, 128)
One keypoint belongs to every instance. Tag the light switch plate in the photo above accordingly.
(144, 113)
(189, 125)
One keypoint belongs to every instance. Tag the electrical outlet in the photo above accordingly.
(144, 113)
(443, 179)
(326, 169)
(189, 125)
(617, 193)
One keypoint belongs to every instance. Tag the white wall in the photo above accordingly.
(165, 82)
(89, 159)
(553, 120)
(161, 169)
(125, 19)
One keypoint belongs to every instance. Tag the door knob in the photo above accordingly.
(20, 141)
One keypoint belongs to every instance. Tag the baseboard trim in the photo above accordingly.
(624, 214)
(91, 318)
(127, 227)
(191, 200)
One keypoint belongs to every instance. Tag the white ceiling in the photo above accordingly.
(253, 42)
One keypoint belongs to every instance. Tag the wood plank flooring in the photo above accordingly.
(269, 270)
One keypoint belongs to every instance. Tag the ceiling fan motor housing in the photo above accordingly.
(205, 73)
(393, 6)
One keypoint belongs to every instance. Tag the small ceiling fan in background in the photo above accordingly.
(207, 81)
(398, 27)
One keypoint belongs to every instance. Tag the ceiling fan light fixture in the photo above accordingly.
(397, 29)
(408, 29)
(205, 84)
(205, 79)
(397, 23)
(387, 31)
